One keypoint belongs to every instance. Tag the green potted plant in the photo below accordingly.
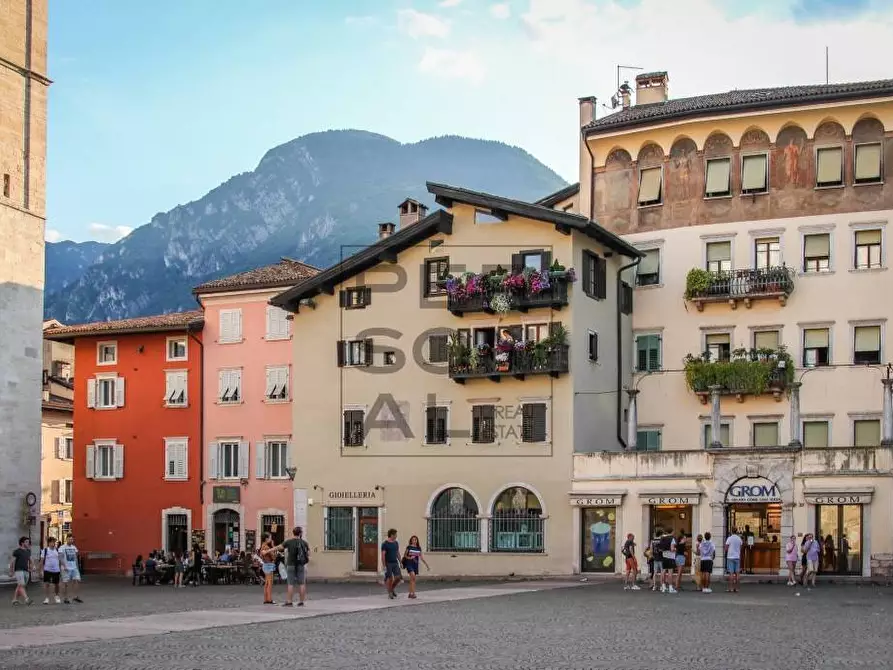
(697, 283)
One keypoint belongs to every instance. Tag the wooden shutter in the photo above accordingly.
(527, 423)
(367, 295)
(168, 459)
(517, 263)
(601, 278)
(55, 497)
(236, 378)
(213, 453)
(91, 461)
(430, 425)
(593, 346)
(284, 392)
(60, 442)
(237, 324)
(260, 460)
(91, 393)
(243, 459)
(119, 461)
(119, 391)
(289, 458)
(340, 353)
(182, 467)
(368, 351)
(626, 298)
(270, 383)
(588, 283)
(342, 298)
(539, 423)
(437, 348)
(546, 261)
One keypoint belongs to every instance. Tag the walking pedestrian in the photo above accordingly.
(708, 552)
(390, 557)
(696, 561)
(681, 548)
(655, 561)
(297, 556)
(179, 560)
(411, 560)
(790, 557)
(71, 572)
(20, 568)
(268, 556)
(733, 561)
(813, 551)
(667, 554)
(632, 565)
(50, 567)
(196, 565)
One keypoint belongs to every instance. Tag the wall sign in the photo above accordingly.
(353, 498)
(595, 500)
(227, 494)
(671, 499)
(753, 490)
(838, 498)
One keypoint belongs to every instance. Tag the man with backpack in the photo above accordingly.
(297, 556)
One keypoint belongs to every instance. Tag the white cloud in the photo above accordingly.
(450, 3)
(104, 233)
(501, 10)
(452, 64)
(418, 24)
(51, 235)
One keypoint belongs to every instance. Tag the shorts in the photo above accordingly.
(392, 570)
(297, 575)
(706, 566)
(22, 577)
(71, 575)
(632, 565)
(733, 565)
(50, 577)
(412, 567)
(269, 568)
(812, 566)
(680, 560)
(668, 564)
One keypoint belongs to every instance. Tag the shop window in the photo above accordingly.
(754, 174)
(868, 162)
(516, 522)
(725, 435)
(829, 167)
(453, 523)
(816, 347)
(648, 353)
(719, 257)
(839, 529)
(650, 190)
(599, 539)
(767, 253)
(719, 346)
(648, 269)
(648, 440)
(339, 533)
(868, 249)
(817, 253)
(816, 434)
(718, 183)
(867, 345)
(866, 433)
(766, 340)
(765, 434)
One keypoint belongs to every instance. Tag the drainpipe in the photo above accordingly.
(796, 438)
(201, 415)
(887, 440)
(715, 418)
(632, 422)
(591, 171)
(620, 272)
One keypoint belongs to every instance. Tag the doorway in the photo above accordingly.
(176, 533)
(839, 530)
(367, 539)
(759, 525)
(676, 520)
(226, 530)
(274, 526)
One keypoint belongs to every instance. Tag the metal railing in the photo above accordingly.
(750, 283)
(340, 532)
(554, 296)
(552, 360)
(449, 532)
(523, 531)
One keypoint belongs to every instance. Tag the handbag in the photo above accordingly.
(283, 572)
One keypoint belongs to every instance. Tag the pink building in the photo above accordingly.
(247, 415)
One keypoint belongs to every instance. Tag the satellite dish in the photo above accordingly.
(614, 102)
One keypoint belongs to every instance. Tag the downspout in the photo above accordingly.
(591, 173)
(620, 272)
(201, 415)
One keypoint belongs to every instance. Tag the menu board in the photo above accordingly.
(198, 538)
(250, 540)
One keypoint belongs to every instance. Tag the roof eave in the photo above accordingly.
(260, 286)
(69, 338)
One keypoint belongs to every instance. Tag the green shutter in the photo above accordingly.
(648, 353)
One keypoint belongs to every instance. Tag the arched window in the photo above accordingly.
(453, 523)
(516, 523)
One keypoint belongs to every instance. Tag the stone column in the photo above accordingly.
(796, 437)
(715, 419)
(787, 529)
(632, 423)
(887, 436)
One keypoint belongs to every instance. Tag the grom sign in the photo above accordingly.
(753, 490)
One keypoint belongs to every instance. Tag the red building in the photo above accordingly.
(137, 436)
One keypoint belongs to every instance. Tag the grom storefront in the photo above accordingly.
(753, 510)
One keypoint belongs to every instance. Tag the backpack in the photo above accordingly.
(301, 553)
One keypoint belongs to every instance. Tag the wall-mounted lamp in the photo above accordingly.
(140, 348)
(291, 473)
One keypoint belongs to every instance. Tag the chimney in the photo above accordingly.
(587, 111)
(411, 211)
(652, 87)
(385, 230)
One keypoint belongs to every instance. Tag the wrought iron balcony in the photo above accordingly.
(481, 295)
(484, 362)
(739, 285)
(748, 372)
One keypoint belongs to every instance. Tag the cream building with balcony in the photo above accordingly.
(760, 332)
(449, 372)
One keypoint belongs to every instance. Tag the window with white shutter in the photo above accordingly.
(106, 353)
(105, 460)
(65, 447)
(230, 386)
(230, 325)
(176, 348)
(277, 388)
(105, 392)
(175, 457)
(66, 491)
(278, 325)
(175, 388)
(232, 460)
(275, 457)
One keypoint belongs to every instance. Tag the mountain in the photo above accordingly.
(67, 261)
(307, 199)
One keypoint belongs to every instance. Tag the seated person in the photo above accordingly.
(139, 569)
(151, 565)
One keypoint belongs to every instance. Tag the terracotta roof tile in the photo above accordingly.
(731, 101)
(142, 324)
(286, 272)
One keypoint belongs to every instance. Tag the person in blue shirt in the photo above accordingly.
(390, 558)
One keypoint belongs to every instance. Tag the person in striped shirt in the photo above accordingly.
(411, 558)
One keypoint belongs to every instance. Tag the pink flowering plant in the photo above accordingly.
(499, 282)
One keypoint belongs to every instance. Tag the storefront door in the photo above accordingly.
(839, 529)
(226, 530)
(676, 520)
(759, 525)
(599, 539)
(367, 539)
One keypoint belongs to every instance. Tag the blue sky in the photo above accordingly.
(153, 104)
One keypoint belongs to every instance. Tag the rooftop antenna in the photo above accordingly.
(826, 66)
(615, 99)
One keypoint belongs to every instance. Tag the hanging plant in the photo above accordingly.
(501, 303)
(697, 283)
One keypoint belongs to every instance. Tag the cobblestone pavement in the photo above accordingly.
(591, 626)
